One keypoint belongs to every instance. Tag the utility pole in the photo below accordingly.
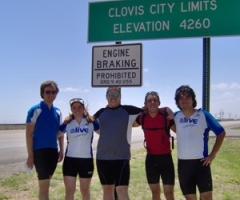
(221, 113)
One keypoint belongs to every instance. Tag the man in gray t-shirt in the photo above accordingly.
(113, 150)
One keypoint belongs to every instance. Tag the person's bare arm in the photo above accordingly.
(215, 149)
(135, 124)
(173, 128)
(170, 113)
(171, 117)
(60, 134)
(97, 131)
(61, 147)
(29, 144)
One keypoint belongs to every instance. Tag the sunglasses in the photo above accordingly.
(185, 91)
(113, 95)
(51, 92)
(152, 93)
(76, 100)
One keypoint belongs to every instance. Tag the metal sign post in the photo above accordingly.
(206, 74)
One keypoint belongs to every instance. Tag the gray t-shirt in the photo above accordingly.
(115, 131)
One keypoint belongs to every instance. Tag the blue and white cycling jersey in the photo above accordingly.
(79, 138)
(47, 121)
(192, 133)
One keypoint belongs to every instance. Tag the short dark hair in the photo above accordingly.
(47, 84)
(185, 90)
(152, 93)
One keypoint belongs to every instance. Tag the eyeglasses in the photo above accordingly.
(113, 95)
(76, 100)
(51, 92)
(153, 93)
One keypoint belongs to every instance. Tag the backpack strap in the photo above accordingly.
(167, 128)
(142, 118)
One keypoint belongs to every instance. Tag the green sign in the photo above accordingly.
(158, 19)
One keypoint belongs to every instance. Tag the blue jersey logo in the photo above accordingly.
(188, 120)
(80, 130)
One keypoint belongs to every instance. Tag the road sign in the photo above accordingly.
(119, 64)
(155, 19)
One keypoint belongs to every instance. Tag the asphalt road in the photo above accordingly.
(13, 146)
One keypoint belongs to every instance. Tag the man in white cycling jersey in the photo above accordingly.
(192, 130)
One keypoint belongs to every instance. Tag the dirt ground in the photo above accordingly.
(7, 170)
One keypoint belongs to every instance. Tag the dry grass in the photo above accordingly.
(225, 170)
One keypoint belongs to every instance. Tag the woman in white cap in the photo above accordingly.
(79, 155)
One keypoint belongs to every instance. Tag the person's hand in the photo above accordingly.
(67, 119)
(60, 156)
(208, 160)
(30, 162)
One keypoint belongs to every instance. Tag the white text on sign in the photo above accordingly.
(161, 9)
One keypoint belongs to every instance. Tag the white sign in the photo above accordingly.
(119, 64)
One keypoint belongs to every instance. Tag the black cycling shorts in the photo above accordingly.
(115, 172)
(45, 161)
(193, 174)
(160, 166)
(78, 166)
